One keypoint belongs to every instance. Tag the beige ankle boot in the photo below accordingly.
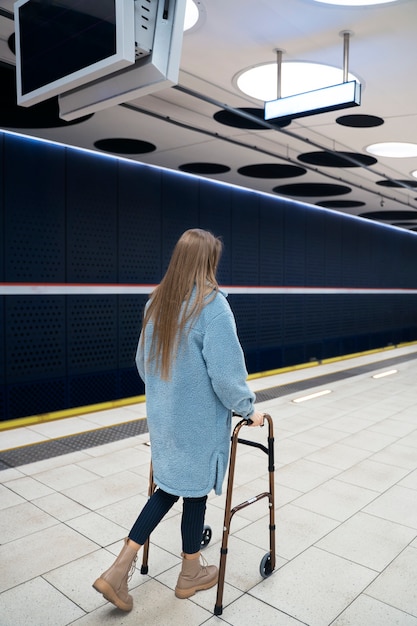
(113, 582)
(195, 576)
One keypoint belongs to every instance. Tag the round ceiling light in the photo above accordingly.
(191, 15)
(355, 3)
(261, 81)
(393, 149)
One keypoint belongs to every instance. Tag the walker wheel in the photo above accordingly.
(265, 567)
(206, 537)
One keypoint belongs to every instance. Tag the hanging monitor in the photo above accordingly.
(157, 70)
(62, 44)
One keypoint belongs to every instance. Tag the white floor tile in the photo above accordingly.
(65, 477)
(19, 608)
(97, 528)
(366, 610)
(153, 603)
(336, 499)
(60, 507)
(28, 488)
(40, 552)
(298, 529)
(21, 520)
(368, 540)
(248, 611)
(398, 504)
(304, 474)
(9, 498)
(373, 475)
(103, 491)
(397, 585)
(314, 587)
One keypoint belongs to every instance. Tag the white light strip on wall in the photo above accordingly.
(40, 289)
(311, 396)
(383, 374)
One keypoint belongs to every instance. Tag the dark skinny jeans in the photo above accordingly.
(158, 505)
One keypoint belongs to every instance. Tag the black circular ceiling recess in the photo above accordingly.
(228, 118)
(121, 145)
(336, 159)
(397, 183)
(360, 121)
(390, 215)
(204, 168)
(42, 115)
(340, 204)
(11, 42)
(272, 170)
(312, 189)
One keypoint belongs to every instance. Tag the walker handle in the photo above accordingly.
(247, 419)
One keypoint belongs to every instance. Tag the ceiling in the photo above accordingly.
(183, 127)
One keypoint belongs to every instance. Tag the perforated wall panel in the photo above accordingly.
(332, 246)
(2, 299)
(34, 398)
(93, 388)
(246, 311)
(130, 321)
(91, 218)
(92, 333)
(215, 215)
(271, 241)
(3, 413)
(271, 321)
(35, 338)
(2, 213)
(140, 218)
(294, 245)
(245, 238)
(355, 266)
(179, 211)
(314, 248)
(34, 202)
(315, 309)
(130, 383)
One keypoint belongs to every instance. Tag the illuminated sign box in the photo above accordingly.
(313, 102)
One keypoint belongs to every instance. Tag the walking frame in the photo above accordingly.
(267, 565)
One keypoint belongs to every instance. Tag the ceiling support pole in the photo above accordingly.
(346, 40)
(279, 72)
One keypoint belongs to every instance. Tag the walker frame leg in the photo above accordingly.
(151, 490)
(268, 562)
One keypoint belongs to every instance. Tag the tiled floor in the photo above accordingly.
(346, 514)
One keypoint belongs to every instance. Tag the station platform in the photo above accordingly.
(346, 509)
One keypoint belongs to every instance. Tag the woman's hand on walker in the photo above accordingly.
(257, 419)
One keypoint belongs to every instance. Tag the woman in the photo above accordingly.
(191, 361)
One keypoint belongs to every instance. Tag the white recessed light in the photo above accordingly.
(355, 3)
(297, 77)
(393, 149)
(311, 396)
(191, 15)
(383, 374)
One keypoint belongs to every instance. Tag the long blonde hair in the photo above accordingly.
(193, 263)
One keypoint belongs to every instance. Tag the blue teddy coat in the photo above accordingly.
(189, 416)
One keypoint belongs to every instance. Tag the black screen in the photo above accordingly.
(58, 38)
